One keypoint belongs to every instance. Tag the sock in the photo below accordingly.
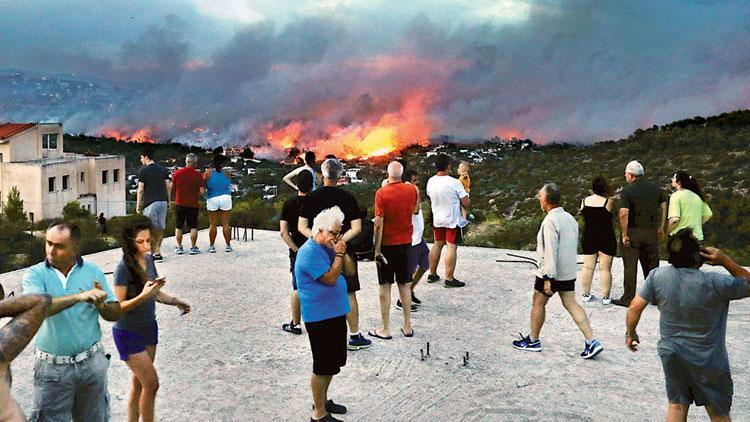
(533, 340)
(354, 335)
(588, 342)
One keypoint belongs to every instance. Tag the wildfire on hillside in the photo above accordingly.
(139, 135)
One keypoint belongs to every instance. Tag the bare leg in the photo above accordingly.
(352, 318)
(193, 237)
(385, 310)
(295, 308)
(605, 273)
(226, 228)
(451, 255)
(319, 386)
(677, 412)
(539, 301)
(134, 413)
(142, 366)
(587, 273)
(178, 236)
(568, 300)
(437, 249)
(158, 235)
(416, 277)
(405, 292)
(213, 216)
(716, 418)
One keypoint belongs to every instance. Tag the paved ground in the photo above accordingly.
(229, 360)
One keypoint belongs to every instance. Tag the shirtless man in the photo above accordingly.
(28, 312)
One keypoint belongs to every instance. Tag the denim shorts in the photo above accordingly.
(132, 341)
(157, 214)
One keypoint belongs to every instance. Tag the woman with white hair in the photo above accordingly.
(324, 305)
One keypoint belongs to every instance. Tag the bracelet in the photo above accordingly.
(340, 255)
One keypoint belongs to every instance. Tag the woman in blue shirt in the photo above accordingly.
(138, 288)
(218, 201)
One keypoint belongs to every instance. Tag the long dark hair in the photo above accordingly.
(136, 225)
(601, 187)
(688, 182)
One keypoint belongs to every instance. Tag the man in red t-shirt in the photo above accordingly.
(394, 205)
(187, 184)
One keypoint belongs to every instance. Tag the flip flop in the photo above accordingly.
(408, 335)
(374, 333)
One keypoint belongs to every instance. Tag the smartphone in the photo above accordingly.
(381, 260)
(161, 279)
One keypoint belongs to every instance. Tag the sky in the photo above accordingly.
(241, 71)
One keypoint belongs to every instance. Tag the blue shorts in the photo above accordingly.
(157, 214)
(130, 342)
(419, 256)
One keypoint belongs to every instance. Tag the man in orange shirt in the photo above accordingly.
(394, 205)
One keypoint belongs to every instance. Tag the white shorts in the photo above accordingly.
(221, 202)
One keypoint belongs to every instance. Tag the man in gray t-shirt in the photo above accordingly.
(693, 323)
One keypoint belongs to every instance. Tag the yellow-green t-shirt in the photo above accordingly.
(690, 209)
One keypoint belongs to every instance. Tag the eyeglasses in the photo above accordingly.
(336, 234)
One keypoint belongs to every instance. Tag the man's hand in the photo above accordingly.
(94, 296)
(548, 287)
(137, 209)
(184, 307)
(713, 256)
(661, 233)
(339, 246)
(626, 240)
(632, 341)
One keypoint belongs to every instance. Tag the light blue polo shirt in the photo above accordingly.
(75, 329)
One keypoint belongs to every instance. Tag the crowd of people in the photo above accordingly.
(64, 296)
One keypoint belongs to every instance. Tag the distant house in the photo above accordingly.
(32, 159)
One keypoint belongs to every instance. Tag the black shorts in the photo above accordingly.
(352, 282)
(687, 383)
(328, 344)
(556, 285)
(186, 216)
(398, 265)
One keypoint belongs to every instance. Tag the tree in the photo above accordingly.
(73, 210)
(13, 210)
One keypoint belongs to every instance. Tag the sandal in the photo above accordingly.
(374, 333)
(408, 335)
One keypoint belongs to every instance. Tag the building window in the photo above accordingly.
(49, 141)
(104, 177)
(115, 175)
(51, 184)
(65, 182)
(83, 177)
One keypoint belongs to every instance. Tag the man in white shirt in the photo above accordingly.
(557, 243)
(447, 195)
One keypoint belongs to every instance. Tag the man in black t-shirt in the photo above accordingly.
(642, 217)
(152, 197)
(294, 239)
(321, 199)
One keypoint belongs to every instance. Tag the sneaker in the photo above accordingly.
(454, 283)
(359, 342)
(194, 250)
(415, 301)
(211, 249)
(157, 257)
(179, 250)
(431, 278)
(336, 409)
(291, 328)
(587, 298)
(228, 249)
(606, 300)
(400, 307)
(589, 351)
(326, 418)
(525, 344)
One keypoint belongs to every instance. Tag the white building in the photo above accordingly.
(32, 159)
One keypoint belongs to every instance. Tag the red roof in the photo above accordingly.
(9, 129)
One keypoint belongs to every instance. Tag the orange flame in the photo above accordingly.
(140, 135)
(392, 132)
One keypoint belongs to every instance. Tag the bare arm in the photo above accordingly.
(62, 303)
(715, 256)
(284, 231)
(663, 220)
(127, 305)
(623, 217)
(330, 276)
(138, 196)
(302, 227)
(288, 178)
(466, 202)
(378, 229)
(672, 223)
(168, 184)
(354, 231)
(28, 312)
(167, 299)
(110, 311)
(637, 305)
(417, 206)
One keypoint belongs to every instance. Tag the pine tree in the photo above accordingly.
(13, 210)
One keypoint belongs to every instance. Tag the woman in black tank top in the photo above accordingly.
(598, 241)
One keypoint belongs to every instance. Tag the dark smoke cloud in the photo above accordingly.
(573, 70)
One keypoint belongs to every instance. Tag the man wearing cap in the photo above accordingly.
(70, 374)
(643, 215)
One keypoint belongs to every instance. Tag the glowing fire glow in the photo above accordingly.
(140, 135)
